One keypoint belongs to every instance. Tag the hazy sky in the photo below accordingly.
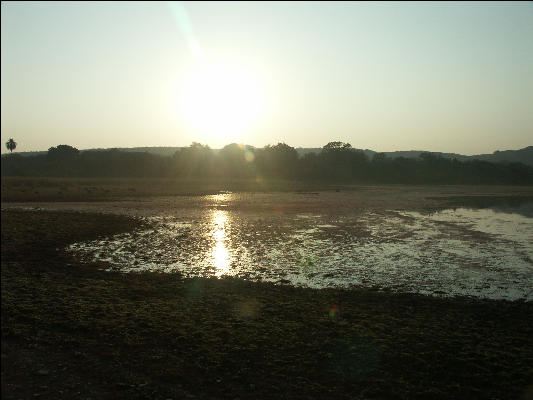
(450, 77)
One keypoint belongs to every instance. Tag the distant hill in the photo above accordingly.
(161, 151)
(27, 153)
(524, 155)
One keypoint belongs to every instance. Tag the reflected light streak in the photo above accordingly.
(220, 252)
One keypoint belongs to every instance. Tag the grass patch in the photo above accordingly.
(22, 189)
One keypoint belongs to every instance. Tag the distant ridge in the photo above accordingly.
(524, 155)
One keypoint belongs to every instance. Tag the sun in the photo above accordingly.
(221, 100)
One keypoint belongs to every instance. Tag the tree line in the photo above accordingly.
(336, 162)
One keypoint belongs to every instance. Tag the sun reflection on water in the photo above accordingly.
(220, 254)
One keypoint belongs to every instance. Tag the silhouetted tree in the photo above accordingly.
(62, 151)
(336, 162)
(232, 161)
(194, 161)
(336, 158)
(379, 166)
(279, 161)
(310, 167)
(11, 145)
(336, 146)
(379, 157)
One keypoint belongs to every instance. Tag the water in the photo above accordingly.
(485, 253)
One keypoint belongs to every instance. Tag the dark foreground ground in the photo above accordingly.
(71, 331)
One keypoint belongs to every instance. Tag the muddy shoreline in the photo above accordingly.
(72, 331)
(394, 238)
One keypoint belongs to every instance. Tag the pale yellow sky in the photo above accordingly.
(450, 77)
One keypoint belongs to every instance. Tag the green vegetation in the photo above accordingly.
(11, 145)
(336, 162)
(74, 331)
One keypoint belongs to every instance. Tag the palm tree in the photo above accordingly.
(11, 145)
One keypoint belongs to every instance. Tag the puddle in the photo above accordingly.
(521, 205)
(510, 223)
(482, 253)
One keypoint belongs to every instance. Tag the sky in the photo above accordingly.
(435, 76)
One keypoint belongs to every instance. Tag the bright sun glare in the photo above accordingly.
(221, 100)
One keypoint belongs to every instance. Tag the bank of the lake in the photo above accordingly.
(72, 331)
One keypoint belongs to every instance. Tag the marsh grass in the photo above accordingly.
(23, 189)
(74, 331)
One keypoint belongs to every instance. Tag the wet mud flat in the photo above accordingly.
(461, 252)
(415, 240)
(71, 329)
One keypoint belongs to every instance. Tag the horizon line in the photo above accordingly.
(256, 147)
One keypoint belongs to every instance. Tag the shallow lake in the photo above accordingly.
(484, 252)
